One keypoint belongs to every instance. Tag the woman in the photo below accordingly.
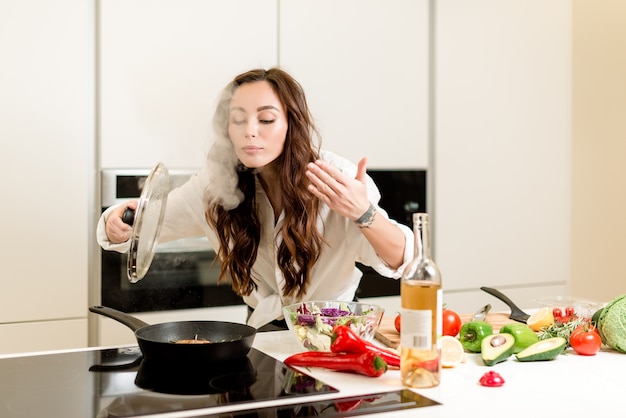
(288, 221)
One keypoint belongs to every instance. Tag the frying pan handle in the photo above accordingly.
(500, 296)
(128, 320)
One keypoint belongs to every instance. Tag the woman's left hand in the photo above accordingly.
(344, 195)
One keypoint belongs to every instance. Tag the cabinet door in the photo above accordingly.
(46, 136)
(364, 67)
(502, 160)
(162, 66)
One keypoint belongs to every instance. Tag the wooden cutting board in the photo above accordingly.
(387, 334)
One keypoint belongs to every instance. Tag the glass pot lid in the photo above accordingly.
(146, 221)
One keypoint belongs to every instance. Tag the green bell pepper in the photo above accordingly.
(523, 334)
(472, 334)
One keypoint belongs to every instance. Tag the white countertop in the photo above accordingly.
(572, 385)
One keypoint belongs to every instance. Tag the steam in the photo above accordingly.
(221, 159)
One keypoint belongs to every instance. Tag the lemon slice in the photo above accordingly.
(541, 319)
(452, 352)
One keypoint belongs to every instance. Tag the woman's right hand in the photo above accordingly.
(117, 231)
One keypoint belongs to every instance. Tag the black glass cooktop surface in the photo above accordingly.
(119, 383)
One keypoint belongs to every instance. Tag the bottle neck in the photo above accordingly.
(421, 230)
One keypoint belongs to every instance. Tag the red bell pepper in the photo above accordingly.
(368, 364)
(345, 340)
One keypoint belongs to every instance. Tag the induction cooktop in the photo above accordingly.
(119, 382)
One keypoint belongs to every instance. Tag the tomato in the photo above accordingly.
(396, 322)
(564, 315)
(585, 340)
(451, 323)
(491, 379)
(591, 326)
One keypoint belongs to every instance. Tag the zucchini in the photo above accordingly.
(543, 350)
(496, 348)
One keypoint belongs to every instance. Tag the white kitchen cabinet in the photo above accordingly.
(501, 168)
(46, 131)
(162, 65)
(364, 67)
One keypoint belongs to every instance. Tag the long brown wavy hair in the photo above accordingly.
(238, 227)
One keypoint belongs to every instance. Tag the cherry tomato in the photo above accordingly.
(557, 313)
(491, 379)
(451, 323)
(396, 322)
(569, 311)
(585, 340)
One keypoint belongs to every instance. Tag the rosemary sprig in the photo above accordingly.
(561, 329)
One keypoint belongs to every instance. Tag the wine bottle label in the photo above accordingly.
(416, 329)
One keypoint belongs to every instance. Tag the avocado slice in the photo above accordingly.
(496, 348)
(543, 350)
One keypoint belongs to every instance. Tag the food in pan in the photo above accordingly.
(195, 340)
(192, 342)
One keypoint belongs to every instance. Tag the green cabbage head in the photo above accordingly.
(612, 324)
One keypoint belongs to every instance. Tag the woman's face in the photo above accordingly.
(257, 124)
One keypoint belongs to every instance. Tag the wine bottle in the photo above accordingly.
(421, 313)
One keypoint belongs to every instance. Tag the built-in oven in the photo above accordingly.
(183, 273)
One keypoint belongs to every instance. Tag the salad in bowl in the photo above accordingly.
(312, 322)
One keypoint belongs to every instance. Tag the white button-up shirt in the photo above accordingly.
(334, 276)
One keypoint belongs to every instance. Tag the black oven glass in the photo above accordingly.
(176, 280)
(403, 192)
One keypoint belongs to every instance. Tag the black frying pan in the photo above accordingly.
(228, 340)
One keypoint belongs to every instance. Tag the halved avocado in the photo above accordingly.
(496, 348)
(543, 350)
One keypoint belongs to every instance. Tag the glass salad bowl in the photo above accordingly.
(312, 322)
